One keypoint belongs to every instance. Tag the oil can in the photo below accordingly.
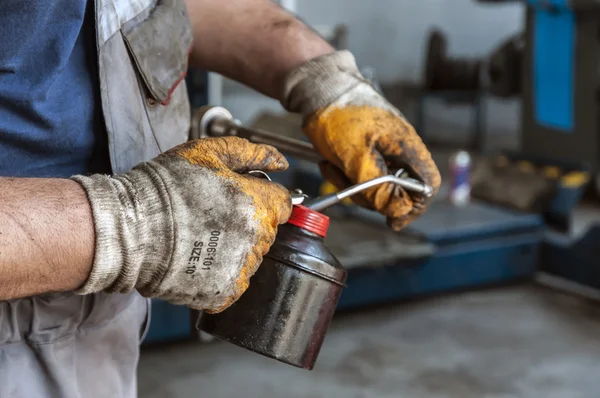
(286, 311)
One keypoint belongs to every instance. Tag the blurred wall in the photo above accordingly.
(391, 35)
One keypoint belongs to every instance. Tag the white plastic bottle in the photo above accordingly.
(460, 182)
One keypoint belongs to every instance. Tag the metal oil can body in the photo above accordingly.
(286, 311)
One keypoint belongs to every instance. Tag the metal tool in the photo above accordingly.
(323, 202)
(410, 184)
(218, 122)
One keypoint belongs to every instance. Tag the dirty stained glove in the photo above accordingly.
(187, 227)
(360, 134)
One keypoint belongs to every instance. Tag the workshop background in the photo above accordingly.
(490, 295)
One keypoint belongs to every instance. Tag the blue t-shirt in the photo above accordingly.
(50, 115)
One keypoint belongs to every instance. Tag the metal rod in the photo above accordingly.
(410, 184)
(287, 146)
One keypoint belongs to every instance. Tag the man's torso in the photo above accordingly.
(84, 95)
(50, 116)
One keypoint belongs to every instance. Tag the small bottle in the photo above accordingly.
(460, 182)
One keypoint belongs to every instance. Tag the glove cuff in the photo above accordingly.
(132, 230)
(319, 82)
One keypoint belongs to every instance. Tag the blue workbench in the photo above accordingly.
(474, 246)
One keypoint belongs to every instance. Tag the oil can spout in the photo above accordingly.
(324, 202)
(410, 184)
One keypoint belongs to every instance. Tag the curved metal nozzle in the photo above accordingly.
(409, 184)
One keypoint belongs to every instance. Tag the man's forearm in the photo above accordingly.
(252, 41)
(46, 236)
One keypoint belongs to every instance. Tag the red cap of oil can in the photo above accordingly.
(309, 220)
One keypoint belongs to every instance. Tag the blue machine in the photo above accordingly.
(560, 93)
(560, 118)
(573, 260)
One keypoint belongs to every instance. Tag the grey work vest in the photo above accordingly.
(143, 48)
(67, 346)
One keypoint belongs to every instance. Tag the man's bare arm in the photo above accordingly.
(252, 41)
(46, 236)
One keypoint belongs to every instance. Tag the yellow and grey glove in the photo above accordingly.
(187, 227)
(360, 134)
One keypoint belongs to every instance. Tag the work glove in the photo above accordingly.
(360, 134)
(189, 226)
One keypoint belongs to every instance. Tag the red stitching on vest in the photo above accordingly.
(183, 75)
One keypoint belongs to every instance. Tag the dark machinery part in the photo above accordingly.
(443, 73)
(561, 95)
(499, 74)
(505, 68)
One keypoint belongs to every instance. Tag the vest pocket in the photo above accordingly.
(159, 41)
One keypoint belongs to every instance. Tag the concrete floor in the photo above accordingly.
(520, 341)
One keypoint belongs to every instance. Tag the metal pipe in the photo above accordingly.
(286, 145)
(215, 121)
(409, 184)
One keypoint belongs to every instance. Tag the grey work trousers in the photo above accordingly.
(67, 346)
